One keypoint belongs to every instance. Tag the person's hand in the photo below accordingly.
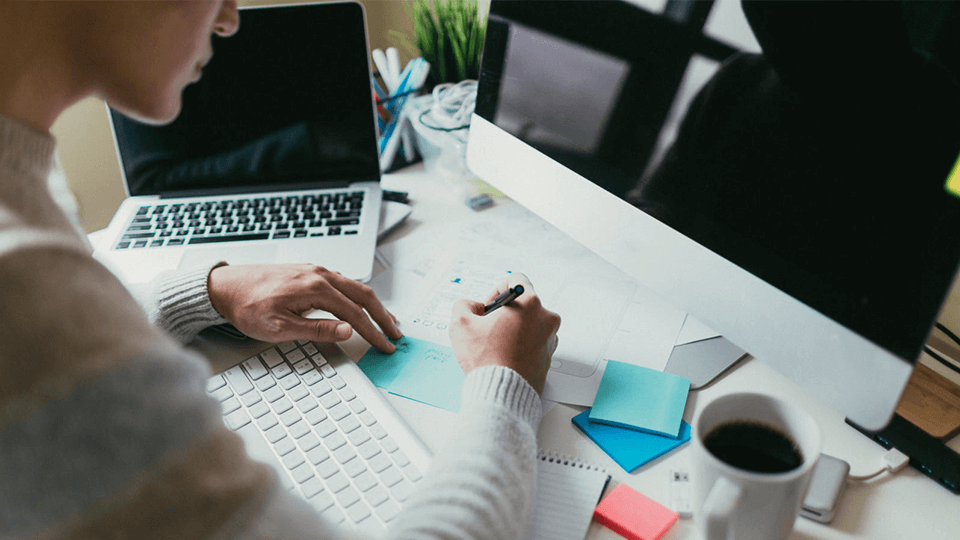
(521, 335)
(266, 302)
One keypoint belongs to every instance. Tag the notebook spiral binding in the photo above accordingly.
(563, 459)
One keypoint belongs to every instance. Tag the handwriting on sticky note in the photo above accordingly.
(418, 370)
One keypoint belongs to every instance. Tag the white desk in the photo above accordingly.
(905, 506)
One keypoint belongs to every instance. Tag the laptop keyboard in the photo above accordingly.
(324, 429)
(244, 219)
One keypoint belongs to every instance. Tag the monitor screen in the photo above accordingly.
(803, 147)
(284, 103)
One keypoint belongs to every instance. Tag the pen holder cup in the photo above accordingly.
(444, 150)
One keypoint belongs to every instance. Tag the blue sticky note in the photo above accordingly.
(417, 370)
(644, 399)
(629, 448)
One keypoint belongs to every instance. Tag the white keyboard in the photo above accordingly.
(326, 429)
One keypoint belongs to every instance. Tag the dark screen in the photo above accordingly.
(285, 102)
(815, 160)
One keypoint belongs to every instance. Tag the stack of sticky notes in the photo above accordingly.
(637, 414)
(633, 515)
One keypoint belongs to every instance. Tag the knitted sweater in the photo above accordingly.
(106, 429)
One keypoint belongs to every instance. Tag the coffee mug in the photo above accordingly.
(753, 456)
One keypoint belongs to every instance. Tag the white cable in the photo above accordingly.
(894, 461)
(453, 105)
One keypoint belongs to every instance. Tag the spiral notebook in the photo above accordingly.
(568, 490)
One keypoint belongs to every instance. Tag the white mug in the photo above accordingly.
(733, 503)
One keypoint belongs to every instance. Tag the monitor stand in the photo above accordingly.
(704, 361)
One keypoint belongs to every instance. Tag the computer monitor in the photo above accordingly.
(777, 169)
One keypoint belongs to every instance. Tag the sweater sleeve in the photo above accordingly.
(481, 483)
(179, 303)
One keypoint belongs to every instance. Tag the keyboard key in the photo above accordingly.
(315, 416)
(321, 389)
(267, 421)
(284, 446)
(302, 473)
(339, 411)
(329, 400)
(275, 433)
(309, 442)
(312, 487)
(344, 454)
(412, 473)
(259, 409)
(273, 394)
(377, 431)
(376, 495)
(295, 356)
(347, 496)
(255, 368)
(334, 441)
(217, 381)
(365, 480)
(307, 404)
(387, 511)
(293, 459)
(302, 366)
(282, 405)
(311, 377)
(297, 392)
(349, 424)
(265, 383)
(299, 429)
(379, 463)
(359, 437)
(289, 415)
(337, 482)
(390, 476)
(323, 501)
(281, 370)
(358, 512)
(271, 357)
(251, 398)
(325, 428)
(238, 379)
(402, 491)
(222, 393)
(368, 449)
(287, 346)
(317, 454)
(400, 458)
(237, 419)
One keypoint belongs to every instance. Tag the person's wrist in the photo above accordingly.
(213, 292)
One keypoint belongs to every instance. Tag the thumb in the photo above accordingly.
(331, 331)
(466, 307)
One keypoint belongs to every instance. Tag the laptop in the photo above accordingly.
(273, 158)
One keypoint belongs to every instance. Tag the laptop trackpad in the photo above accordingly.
(250, 254)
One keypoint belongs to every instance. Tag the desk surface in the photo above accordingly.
(907, 505)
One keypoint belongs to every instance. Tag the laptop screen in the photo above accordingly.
(284, 104)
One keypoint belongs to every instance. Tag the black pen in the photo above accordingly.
(503, 299)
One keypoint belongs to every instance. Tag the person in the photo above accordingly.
(105, 427)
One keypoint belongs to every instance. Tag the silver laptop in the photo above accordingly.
(273, 158)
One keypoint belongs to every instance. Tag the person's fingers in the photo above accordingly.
(462, 308)
(364, 297)
(330, 298)
(327, 330)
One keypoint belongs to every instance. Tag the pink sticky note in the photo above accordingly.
(633, 515)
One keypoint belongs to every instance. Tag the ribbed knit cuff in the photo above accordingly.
(505, 386)
(183, 304)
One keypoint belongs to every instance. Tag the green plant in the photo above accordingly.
(448, 34)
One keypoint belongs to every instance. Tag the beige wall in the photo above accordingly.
(86, 144)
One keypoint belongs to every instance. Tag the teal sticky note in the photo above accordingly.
(417, 370)
(644, 399)
(629, 448)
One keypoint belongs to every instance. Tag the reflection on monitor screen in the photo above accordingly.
(784, 185)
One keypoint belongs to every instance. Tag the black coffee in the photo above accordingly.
(753, 447)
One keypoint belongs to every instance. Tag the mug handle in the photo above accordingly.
(718, 508)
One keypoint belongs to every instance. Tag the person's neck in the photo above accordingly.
(35, 87)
